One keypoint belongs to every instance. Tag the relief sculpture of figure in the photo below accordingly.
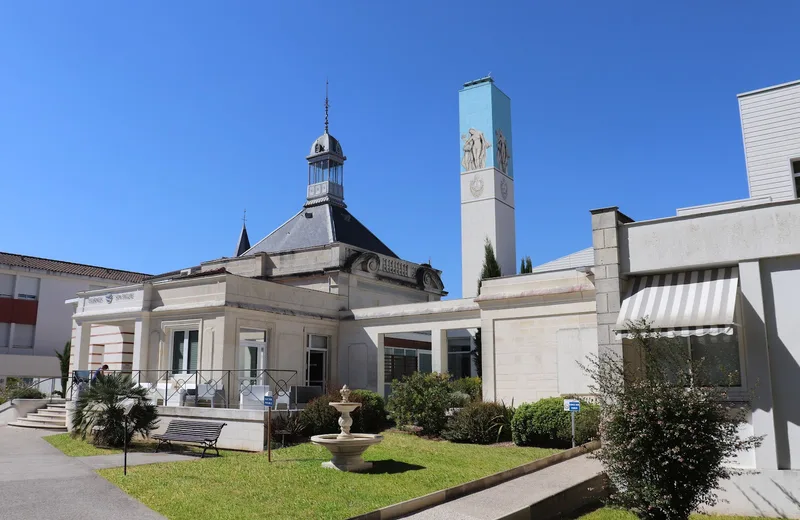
(502, 152)
(475, 146)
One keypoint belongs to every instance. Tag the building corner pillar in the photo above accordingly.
(439, 351)
(141, 346)
(378, 340)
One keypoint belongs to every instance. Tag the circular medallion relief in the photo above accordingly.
(476, 185)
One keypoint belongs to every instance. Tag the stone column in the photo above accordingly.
(758, 376)
(608, 284)
(488, 379)
(83, 333)
(377, 339)
(439, 350)
(141, 347)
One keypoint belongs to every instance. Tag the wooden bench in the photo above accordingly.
(198, 432)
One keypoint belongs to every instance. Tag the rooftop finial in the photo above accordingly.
(244, 217)
(327, 105)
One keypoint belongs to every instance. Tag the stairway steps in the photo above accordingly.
(24, 423)
(52, 413)
(44, 419)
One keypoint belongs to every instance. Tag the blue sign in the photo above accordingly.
(268, 401)
(575, 407)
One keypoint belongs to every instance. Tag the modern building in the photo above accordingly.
(34, 322)
(724, 279)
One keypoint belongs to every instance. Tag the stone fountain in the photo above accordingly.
(345, 447)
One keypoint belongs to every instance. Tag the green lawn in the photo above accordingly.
(75, 447)
(608, 513)
(245, 486)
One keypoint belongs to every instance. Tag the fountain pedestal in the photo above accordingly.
(346, 448)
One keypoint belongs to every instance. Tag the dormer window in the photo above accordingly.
(796, 176)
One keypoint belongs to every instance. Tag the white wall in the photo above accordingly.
(781, 278)
(771, 133)
(721, 238)
(487, 214)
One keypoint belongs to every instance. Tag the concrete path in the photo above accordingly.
(39, 482)
(510, 497)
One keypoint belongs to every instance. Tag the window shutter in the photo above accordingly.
(177, 351)
(194, 336)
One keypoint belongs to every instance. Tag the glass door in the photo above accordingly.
(252, 358)
(317, 361)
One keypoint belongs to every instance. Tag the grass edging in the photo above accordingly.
(446, 495)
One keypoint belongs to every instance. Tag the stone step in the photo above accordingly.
(52, 413)
(35, 417)
(61, 405)
(24, 423)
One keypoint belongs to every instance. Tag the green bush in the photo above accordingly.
(319, 417)
(291, 426)
(470, 386)
(421, 400)
(546, 424)
(370, 417)
(26, 393)
(480, 423)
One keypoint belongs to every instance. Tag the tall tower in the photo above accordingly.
(487, 181)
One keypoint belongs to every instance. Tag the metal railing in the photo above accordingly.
(213, 388)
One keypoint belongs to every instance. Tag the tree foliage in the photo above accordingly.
(666, 439)
(63, 361)
(490, 269)
(525, 265)
(100, 415)
(421, 400)
(545, 424)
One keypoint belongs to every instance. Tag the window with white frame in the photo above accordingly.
(5, 330)
(27, 288)
(6, 285)
(796, 177)
(717, 359)
(23, 335)
(317, 361)
(185, 344)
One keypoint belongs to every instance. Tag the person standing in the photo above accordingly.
(99, 372)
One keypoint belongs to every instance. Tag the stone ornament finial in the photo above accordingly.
(345, 394)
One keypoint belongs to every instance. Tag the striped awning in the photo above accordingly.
(690, 303)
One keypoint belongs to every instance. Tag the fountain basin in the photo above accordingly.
(347, 451)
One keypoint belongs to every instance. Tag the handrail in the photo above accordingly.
(210, 385)
(36, 384)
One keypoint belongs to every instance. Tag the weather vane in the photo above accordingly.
(244, 217)
(327, 105)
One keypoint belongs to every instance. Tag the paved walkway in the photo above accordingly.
(511, 496)
(39, 482)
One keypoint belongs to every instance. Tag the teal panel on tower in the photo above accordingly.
(484, 114)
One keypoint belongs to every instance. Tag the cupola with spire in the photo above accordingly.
(244, 241)
(325, 168)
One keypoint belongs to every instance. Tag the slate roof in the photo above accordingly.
(321, 225)
(58, 266)
(582, 258)
(244, 242)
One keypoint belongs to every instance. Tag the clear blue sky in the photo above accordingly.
(133, 134)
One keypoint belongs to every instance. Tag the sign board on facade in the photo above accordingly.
(572, 405)
(268, 401)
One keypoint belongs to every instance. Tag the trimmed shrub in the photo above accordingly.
(421, 400)
(546, 424)
(460, 399)
(319, 417)
(480, 423)
(470, 386)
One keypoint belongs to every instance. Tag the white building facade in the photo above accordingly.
(724, 279)
(34, 322)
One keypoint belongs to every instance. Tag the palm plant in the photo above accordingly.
(100, 411)
(63, 361)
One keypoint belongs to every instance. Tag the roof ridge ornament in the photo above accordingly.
(327, 105)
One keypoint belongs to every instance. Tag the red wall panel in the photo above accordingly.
(18, 311)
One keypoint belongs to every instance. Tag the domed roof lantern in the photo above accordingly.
(325, 168)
